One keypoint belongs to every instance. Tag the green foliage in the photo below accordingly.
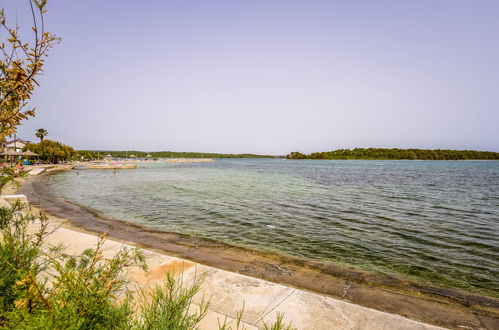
(381, 153)
(82, 155)
(51, 151)
(42, 287)
(9, 174)
(18, 254)
(167, 306)
(296, 155)
(239, 325)
(278, 324)
(41, 133)
(87, 286)
(46, 288)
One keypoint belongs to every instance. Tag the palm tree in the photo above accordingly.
(41, 133)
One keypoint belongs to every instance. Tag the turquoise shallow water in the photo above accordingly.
(434, 221)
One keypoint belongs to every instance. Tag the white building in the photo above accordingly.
(16, 144)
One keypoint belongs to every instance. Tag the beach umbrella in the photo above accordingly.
(28, 153)
(133, 156)
(10, 152)
(148, 156)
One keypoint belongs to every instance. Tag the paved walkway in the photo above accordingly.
(262, 299)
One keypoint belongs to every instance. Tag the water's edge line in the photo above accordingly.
(360, 287)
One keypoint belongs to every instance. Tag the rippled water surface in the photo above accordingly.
(436, 221)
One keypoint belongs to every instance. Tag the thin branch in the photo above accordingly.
(34, 22)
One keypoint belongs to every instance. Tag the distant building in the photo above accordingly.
(16, 144)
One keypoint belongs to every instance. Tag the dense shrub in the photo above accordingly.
(9, 175)
(43, 287)
(51, 151)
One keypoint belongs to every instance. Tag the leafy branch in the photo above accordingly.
(20, 63)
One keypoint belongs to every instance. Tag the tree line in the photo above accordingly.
(395, 153)
(96, 154)
(51, 151)
(55, 152)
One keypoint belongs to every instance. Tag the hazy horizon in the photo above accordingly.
(243, 153)
(268, 77)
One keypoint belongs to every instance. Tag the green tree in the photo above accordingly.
(51, 151)
(41, 133)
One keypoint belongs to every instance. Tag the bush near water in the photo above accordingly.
(43, 287)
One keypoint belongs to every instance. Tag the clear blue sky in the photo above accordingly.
(268, 76)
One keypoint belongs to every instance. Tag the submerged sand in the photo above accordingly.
(426, 303)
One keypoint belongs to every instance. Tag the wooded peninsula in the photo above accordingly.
(410, 154)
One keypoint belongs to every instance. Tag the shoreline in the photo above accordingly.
(426, 303)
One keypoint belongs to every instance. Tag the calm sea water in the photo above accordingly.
(436, 221)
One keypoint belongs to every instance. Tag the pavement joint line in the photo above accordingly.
(198, 276)
(340, 313)
(229, 318)
(258, 319)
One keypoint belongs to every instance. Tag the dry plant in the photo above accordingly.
(20, 63)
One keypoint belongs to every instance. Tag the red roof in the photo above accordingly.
(17, 140)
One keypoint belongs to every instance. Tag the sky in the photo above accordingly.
(268, 77)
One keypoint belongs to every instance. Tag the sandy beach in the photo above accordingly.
(425, 303)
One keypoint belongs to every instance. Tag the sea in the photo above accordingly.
(430, 221)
